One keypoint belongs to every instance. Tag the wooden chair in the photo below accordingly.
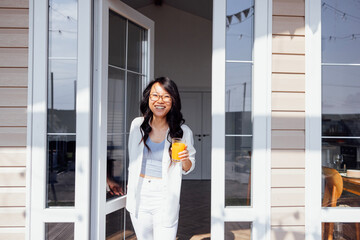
(332, 192)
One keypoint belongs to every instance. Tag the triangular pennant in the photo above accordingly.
(246, 12)
(229, 18)
(238, 16)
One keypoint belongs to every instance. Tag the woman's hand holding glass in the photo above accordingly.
(184, 158)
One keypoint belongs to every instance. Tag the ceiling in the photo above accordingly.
(201, 8)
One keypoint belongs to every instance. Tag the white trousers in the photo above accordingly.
(148, 223)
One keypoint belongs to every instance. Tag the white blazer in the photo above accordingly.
(171, 173)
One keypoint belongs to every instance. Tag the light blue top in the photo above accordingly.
(152, 160)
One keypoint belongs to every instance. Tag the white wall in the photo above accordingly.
(183, 46)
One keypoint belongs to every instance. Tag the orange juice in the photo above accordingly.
(176, 148)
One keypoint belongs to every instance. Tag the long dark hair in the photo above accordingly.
(174, 117)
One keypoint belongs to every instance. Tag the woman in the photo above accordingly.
(154, 180)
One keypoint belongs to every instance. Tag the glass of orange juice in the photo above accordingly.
(178, 145)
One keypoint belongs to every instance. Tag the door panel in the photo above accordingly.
(206, 139)
(191, 110)
(196, 109)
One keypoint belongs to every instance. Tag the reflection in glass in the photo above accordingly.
(341, 172)
(238, 87)
(341, 100)
(116, 133)
(136, 43)
(63, 29)
(59, 231)
(238, 171)
(115, 227)
(61, 171)
(238, 230)
(62, 96)
(343, 231)
(239, 29)
(238, 98)
(133, 98)
(340, 35)
(117, 40)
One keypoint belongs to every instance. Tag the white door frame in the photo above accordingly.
(37, 128)
(314, 213)
(101, 207)
(259, 212)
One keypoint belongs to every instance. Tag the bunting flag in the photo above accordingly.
(246, 12)
(238, 16)
(229, 19)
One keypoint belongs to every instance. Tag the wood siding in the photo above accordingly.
(288, 121)
(14, 22)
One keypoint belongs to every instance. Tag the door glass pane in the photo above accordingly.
(63, 28)
(118, 226)
(238, 171)
(133, 97)
(238, 98)
(238, 230)
(62, 96)
(116, 136)
(117, 40)
(238, 141)
(59, 231)
(136, 41)
(61, 171)
(340, 31)
(61, 103)
(239, 29)
(341, 100)
(341, 231)
(341, 172)
(115, 225)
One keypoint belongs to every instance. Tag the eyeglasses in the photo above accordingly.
(155, 97)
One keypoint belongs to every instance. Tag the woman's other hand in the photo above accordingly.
(115, 188)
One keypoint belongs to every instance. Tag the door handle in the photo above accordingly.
(199, 136)
(205, 135)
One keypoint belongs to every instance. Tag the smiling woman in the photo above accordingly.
(154, 180)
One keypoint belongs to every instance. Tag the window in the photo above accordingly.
(332, 134)
(340, 43)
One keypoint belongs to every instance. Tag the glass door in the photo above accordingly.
(240, 115)
(124, 68)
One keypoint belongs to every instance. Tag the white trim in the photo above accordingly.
(218, 122)
(29, 121)
(99, 120)
(313, 119)
(261, 112)
(39, 119)
(259, 212)
(83, 120)
(340, 214)
(114, 205)
(340, 64)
